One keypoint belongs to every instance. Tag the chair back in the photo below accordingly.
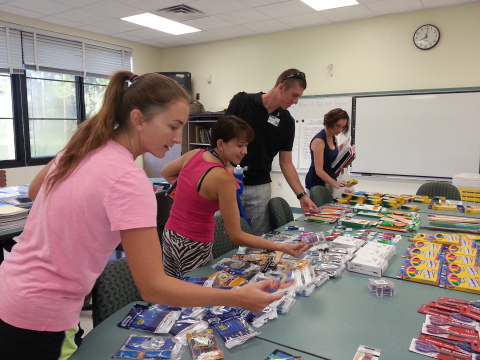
(440, 188)
(320, 195)
(164, 205)
(113, 290)
(222, 243)
(280, 212)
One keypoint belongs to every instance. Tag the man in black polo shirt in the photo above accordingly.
(274, 130)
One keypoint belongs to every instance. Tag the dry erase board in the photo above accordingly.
(430, 134)
(308, 115)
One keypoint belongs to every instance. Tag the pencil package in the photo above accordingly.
(468, 283)
(409, 207)
(461, 260)
(442, 206)
(460, 270)
(469, 209)
(420, 273)
(422, 254)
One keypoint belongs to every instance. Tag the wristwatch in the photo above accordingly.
(302, 194)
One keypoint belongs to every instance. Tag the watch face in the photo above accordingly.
(426, 37)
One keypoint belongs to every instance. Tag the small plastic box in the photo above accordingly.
(381, 287)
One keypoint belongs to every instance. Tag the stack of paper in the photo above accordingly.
(12, 217)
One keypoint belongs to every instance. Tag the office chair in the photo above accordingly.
(320, 195)
(222, 243)
(113, 290)
(280, 212)
(439, 188)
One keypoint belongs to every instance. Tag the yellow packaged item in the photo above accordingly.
(439, 198)
(443, 206)
(461, 260)
(428, 246)
(409, 207)
(462, 250)
(470, 237)
(445, 239)
(470, 283)
(426, 272)
(351, 182)
(341, 200)
(422, 199)
(469, 209)
(461, 270)
(422, 254)
(347, 196)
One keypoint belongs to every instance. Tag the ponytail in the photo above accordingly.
(150, 93)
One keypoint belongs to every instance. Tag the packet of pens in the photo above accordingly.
(204, 346)
(311, 238)
(233, 329)
(150, 347)
(242, 268)
(190, 320)
(157, 319)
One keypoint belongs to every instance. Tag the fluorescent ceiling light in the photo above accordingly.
(329, 4)
(160, 23)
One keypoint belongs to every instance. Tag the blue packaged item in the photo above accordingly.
(238, 173)
(157, 319)
(150, 347)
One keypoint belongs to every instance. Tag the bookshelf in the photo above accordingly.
(199, 129)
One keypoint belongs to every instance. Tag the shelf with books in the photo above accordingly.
(199, 129)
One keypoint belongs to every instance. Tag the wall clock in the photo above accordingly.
(426, 37)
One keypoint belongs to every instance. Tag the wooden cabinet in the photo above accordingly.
(198, 130)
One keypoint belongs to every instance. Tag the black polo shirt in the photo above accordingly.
(269, 139)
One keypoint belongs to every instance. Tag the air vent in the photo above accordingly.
(180, 13)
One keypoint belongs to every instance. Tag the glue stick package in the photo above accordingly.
(150, 347)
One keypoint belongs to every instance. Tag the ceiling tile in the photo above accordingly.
(255, 3)
(348, 13)
(76, 3)
(267, 26)
(393, 6)
(129, 37)
(244, 16)
(151, 5)
(147, 33)
(233, 31)
(304, 20)
(112, 9)
(83, 16)
(46, 7)
(22, 12)
(436, 3)
(60, 21)
(96, 30)
(203, 36)
(116, 25)
(285, 8)
(207, 23)
(214, 7)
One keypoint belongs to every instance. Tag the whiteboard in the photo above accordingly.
(432, 135)
(308, 114)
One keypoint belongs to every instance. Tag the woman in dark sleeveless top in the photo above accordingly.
(324, 150)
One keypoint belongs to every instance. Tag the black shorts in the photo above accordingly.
(23, 344)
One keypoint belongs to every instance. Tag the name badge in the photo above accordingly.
(273, 120)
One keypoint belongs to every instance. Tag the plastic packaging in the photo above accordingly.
(238, 173)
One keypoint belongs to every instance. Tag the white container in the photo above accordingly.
(466, 179)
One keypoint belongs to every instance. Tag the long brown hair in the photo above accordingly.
(150, 93)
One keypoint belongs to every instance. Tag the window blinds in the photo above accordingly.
(10, 50)
(20, 49)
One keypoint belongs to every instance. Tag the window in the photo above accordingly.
(7, 133)
(49, 83)
(94, 89)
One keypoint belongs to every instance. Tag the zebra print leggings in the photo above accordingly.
(181, 255)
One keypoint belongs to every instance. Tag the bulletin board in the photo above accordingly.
(308, 114)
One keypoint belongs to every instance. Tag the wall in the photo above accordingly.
(145, 59)
(368, 55)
